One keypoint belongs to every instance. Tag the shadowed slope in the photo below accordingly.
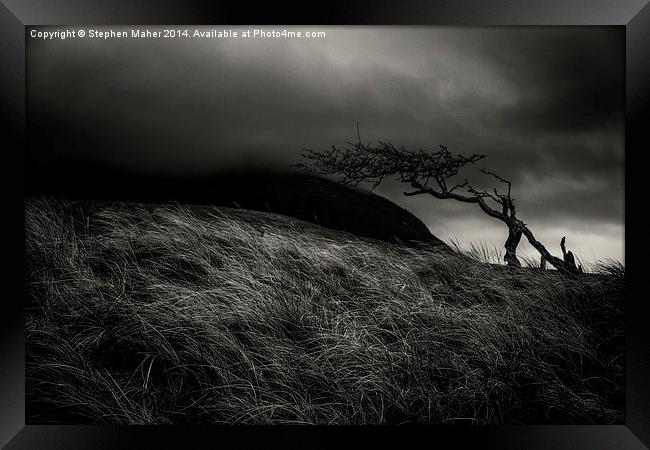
(305, 197)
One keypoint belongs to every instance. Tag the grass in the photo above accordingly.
(143, 314)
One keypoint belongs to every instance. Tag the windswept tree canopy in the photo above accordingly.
(361, 163)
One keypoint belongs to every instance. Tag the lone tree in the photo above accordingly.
(431, 173)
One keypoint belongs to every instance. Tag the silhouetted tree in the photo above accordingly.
(431, 173)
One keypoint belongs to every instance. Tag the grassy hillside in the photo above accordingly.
(170, 314)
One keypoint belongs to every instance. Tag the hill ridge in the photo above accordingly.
(304, 196)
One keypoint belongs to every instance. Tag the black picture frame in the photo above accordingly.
(15, 15)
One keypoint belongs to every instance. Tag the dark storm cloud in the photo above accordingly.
(570, 81)
(545, 106)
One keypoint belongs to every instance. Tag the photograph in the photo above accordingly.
(325, 225)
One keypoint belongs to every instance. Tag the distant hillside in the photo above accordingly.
(306, 197)
(167, 314)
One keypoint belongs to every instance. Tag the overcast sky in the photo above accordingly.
(546, 105)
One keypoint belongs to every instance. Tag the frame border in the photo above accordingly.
(634, 15)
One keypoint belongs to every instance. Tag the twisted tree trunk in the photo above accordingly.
(514, 237)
